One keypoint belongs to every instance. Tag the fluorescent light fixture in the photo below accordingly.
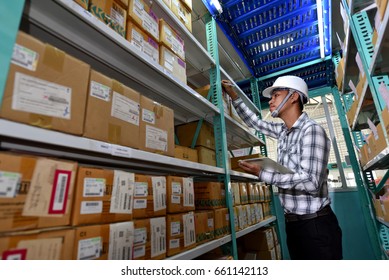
(213, 7)
(321, 31)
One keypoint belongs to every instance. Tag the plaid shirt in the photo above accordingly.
(304, 149)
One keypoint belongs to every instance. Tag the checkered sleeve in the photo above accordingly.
(315, 147)
(268, 128)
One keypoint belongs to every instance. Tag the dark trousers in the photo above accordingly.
(319, 238)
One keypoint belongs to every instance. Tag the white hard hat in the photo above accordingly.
(291, 82)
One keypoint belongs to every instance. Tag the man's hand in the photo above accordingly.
(228, 88)
(250, 167)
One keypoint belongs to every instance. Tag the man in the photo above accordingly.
(312, 228)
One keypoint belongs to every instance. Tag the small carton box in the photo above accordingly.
(149, 196)
(104, 242)
(183, 13)
(249, 216)
(38, 245)
(112, 112)
(39, 192)
(142, 41)
(267, 255)
(180, 194)
(222, 222)
(206, 155)
(172, 63)
(209, 195)
(235, 193)
(205, 226)
(57, 86)
(142, 14)
(171, 39)
(181, 233)
(150, 239)
(244, 199)
(261, 240)
(242, 217)
(258, 211)
(186, 153)
(186, 132)
(110, 12)
(156, 127)
(103, 196)
(339, 73)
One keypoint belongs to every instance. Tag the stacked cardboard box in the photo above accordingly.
(186, 153)
(222, 222)
(205, 226)
(180, 194)
(209, 195)
(261, 243)
(143, 15)
(181, 234)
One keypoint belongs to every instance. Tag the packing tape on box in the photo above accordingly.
(114, 133)
(54, 58)
(40, 120)
(158, 110)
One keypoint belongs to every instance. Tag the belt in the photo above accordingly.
(289, 217)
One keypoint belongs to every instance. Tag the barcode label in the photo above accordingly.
(159, 193)
(141, 189)
(139, 251)
(60, 192)
(122, 193)
(174, 243)
(188, 192)
(121, 241)
(89, 249)
(158, 236)
(140, 236)
(140, 203)
(9, 183)
(91, 207)
(189, 229)
(176, 188)
(175, 228)
(24, 57)
(94, 187)
(175, 199)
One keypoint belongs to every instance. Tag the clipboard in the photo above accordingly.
(269, 164)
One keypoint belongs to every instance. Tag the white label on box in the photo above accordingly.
(176, 188)
(175, 228)
(9, 183)
(158, 236)
(159, 192)
(100, 91)
(91, 207)
(150, 25)
(188, 192)
(148, 116)
(140, 203)
(189, 229)
(121, 240)
(174, 243)
(228, 216)
(89, 249)
(373, 128)
(175, 199)
(169, 34)
(137, 40)
(123, 192)
(141, 189)
(38, 96)
(125, 109)
(42, 249)
(151, 52)
(169, 61)
(140, 236)
(156, 138)
(117, 16)
(24, 57)
(94, 187)
(138, 8)
(383, 90)
(178, 47)
(139, 251)
(210, 223)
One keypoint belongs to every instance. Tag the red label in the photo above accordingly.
(60, 191)
(17, 254)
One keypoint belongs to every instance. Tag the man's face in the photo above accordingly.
(276, 98)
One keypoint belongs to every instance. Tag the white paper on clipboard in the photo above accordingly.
(270, 165)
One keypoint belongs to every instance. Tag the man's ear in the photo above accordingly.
(295, 97)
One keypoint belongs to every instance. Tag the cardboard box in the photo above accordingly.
(258, 212)
(242, 217)
(186, 133)
(236, 218)
(180, 194)
(259, 240)
(41, 245)
(385, 119)
(278, 252)
(83, 3)
(103, 196)
(39, 192)
(112, 112)
(339, 74)
(250, 220)
(209, 195)
(58, 81)
(181, 235)
(142, 41)
(267, 255)
(182, 13)
(206, 156)
(188, 4)
(382, 7)
(171, 39)
(186, 153)
(380, 143)
(235, 160)
(235, 193)
(111, 13)
(205, 226)
(104, 242)
(244, 199)
(149, 196)
(156, 127)
(123, 3)
(141, 13)
(150, 239)
(172, 63)
(222, 222)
